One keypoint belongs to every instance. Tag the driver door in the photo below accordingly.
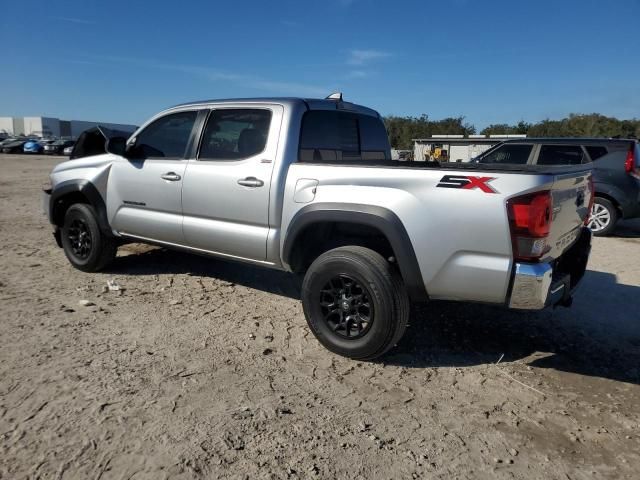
(144, 194)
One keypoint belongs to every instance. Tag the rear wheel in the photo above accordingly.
(604, 216)
(355, 302)
(86, 247)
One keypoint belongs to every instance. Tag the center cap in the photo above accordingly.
(345, 305)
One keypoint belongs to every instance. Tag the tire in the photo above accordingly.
(604, 216)
(336, 290)
(86, 247)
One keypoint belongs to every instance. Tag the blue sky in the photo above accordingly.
(489, 60)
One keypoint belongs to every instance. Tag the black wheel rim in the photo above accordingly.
(80, 238)
(346, 307)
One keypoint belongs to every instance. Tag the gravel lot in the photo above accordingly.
(202, 368)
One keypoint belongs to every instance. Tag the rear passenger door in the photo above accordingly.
(225, 196)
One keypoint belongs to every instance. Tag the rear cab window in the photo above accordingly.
(508, 154)
(329, 136)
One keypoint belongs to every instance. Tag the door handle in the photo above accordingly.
(250, 182)
(171, 176)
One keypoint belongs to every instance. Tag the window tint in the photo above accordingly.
(596, 152)
(342, 137)
(508, 154)
(167, 137)
(373, 139)
(233, 134)
(560, 155)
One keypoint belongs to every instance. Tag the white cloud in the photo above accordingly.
(252, 81)
(75, 20)
(290, 23)
(357, 74)
(287, 88)
(363, 57)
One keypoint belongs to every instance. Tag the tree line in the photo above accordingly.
(402, 129)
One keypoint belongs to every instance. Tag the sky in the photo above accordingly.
(492, 61)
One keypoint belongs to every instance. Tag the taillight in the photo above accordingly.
(530, 223)
(592, 193)
(630, 165)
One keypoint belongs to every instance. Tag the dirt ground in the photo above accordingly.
(203, 368)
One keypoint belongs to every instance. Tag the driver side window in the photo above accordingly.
(166, 137)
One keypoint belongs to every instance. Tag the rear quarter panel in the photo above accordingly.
(461, 237)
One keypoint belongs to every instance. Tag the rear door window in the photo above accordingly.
(595, 152)
(235, 134)
(509, 154)
(560, 155)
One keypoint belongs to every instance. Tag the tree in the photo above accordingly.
(403, 129)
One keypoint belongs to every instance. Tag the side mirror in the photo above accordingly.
(117, 146)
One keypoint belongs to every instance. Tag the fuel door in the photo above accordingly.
(305, 190)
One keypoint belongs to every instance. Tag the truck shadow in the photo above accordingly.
(598, 336)
(149, 260)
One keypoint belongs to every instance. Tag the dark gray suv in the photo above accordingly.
(616, 170)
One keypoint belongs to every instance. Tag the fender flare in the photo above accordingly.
(380, 218)
(87, 189)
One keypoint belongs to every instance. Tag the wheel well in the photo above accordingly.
(63, 203)
(611, 199)
(321, 237)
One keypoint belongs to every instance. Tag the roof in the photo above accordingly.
(569, 140)
(311, 103)
(465, 140)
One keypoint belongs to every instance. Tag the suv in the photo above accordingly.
(308, 186)
(616, 170)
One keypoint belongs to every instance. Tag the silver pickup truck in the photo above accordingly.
(308, 186)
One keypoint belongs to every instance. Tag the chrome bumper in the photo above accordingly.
(537, 285)
(531, 285)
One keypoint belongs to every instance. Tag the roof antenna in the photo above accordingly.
(335, 96)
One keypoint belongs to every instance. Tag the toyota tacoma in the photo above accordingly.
(308, 186)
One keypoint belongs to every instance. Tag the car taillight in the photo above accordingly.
(530, 223)
(592, 193)
(630, 165)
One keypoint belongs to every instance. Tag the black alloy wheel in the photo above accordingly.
(346, 307)
(79, 237)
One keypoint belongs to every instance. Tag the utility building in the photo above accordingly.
(53, 127)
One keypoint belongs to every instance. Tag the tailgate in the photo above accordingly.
(571, 195)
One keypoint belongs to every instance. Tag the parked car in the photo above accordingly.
(33, 146)
(616, 170)
(8, 140)
(14, 145)
(68, 150)
(57, 147)
(308, 186)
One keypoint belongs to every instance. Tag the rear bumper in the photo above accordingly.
(538, 285)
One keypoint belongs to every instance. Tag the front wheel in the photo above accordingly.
(86, 247)
(355, 302)
(604, 216)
